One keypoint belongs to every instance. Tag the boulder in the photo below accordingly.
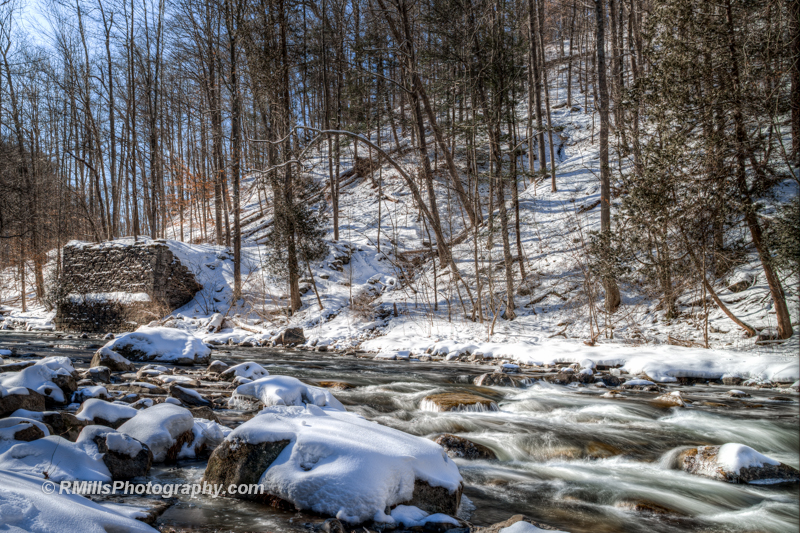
(112, 360)
(204, 412)
(457, 401)
(16, 367)
(671, 399)
(496, 528)
(64, 425)
(735, 463)
(496, 379)
(459, 447)
(188, 396)
(216, 367)
(124, 456)
(13, 400)
(238, 462)
(21, 429)
(142, 387)
(98, 374)
(291, 336)
(101, 412)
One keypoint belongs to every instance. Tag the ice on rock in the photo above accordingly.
(339, 464)
(167, 345)
(159, 427)
(282, 390)
(25, 507)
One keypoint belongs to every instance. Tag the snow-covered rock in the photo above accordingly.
(40, 378)
(165, 429)
(111, 414)
(736, 463)
(188, 396)
(59, 458)
(21, 429)
(124, 456)
(25, 507)
(107, 357)
(86, 393)
(282, 390)
(336, 463)
(249, 370)
(14, 398)
(409, 516)
(166, 345)
(171, 432)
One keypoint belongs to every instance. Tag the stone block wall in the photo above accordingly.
(115, 287)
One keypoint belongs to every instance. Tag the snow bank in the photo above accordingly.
(662, 363)
(167, 345)
(159, 427)
(109, 411)
(340, 464)
(733, 457)
(58, 457)
(25, 507)
(282, 390)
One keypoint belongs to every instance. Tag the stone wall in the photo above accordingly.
(114, 287)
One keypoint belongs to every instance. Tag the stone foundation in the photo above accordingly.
(116, 287)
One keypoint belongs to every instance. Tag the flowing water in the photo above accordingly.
(567, 457)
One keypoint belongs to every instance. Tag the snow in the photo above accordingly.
(249, 370)
(524, 527)
(158, 427)
(38, 378)
(94, 391)
(340, 464)
(163, 344)
(9, 426)
(109, 297)
(58, 457)
(24, 507)
(733, 457)
(411, 516)
(57, 363)
(110, 411)
(283, 390)
(116, 441)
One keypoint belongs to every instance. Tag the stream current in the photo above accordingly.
(566, 456)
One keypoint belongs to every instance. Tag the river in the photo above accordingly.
(567, 456)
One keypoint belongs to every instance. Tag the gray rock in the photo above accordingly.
(103, 358)
(33, 401)
(188, 397)
(495, 379)
(435, 499)
(292, 336)
(459, 447)
(98, 374)
(238, 462)
(204, 412)
(122, 466)
(217, 367)
(16, 367)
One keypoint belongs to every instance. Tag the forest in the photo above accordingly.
(147, 117)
